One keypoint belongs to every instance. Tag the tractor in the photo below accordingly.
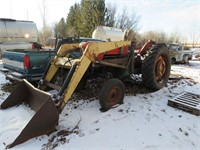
(75, 64)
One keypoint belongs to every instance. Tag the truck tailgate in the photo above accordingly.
(14, 61)
(25, 64)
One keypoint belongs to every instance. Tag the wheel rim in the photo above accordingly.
(160, 68)
(113, 96)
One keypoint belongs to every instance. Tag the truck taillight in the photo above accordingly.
(26, 62)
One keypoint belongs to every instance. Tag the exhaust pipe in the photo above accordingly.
(46, 114)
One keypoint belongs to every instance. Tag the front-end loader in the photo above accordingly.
(76, 63)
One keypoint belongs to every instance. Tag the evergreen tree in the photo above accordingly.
(99, 12)
(93, 13)
(83, 18)
(73, 21)
(60, 29)
(86, 18)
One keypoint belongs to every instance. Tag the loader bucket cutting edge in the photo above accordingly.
(46, 114)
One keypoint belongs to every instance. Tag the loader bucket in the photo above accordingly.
(46, 115)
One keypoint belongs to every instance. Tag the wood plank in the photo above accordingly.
(186, 101)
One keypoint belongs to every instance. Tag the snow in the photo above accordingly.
(144, 121)
(17, 120)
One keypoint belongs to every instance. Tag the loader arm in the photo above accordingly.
(64, 50)
(90, 54)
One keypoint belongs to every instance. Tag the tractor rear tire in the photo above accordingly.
(156, 67)
(111, 94)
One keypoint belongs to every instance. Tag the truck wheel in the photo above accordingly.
(156, 68)
(173, 60)
(186, 59)
(112, 93)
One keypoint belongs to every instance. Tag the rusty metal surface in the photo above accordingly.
(46, 115)
(112, 65)
(160, 68)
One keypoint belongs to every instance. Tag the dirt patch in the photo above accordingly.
(60, 137)
(9, 87)
(91, 91)
(174, 78)
(136, 88)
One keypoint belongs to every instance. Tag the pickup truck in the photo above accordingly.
(27, 64)
(30, 64)
(17, 34)
(179, 54)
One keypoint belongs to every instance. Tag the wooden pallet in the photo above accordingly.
(186, 101)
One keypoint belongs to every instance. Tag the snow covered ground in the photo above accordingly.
(144, 121)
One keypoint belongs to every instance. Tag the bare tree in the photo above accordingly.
(110, 15)
(157, 36)
(43, 12)
(125, 21)
(195, 38)
(162, 37)
(175, 37)
(48, 33)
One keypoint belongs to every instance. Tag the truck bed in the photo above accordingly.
(25, 64)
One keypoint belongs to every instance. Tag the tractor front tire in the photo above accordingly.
(156, 67)
(111, 94)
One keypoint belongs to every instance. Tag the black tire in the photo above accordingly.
(186, 59)
(173, 61)
(112, 93)
(156, 67)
